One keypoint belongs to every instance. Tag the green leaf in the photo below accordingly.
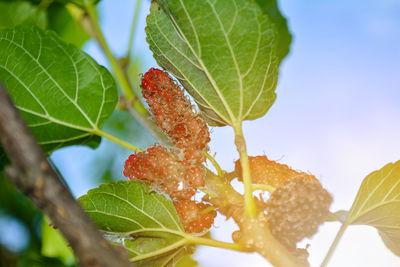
(131, 208)
(21, 13)
(139, 219)
(284, 38)
(54, 245)
(222, 52)
(61, 21)
(378, 204)
(150, 251)
(187, 261)
(62, 93)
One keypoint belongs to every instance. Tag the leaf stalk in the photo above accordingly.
(115, 139)
(213, 243)
(334, 245)
(250, 206)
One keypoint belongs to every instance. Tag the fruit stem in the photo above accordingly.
(116, 140)
(263, 187)
(334, 245)
(206, 191)
(215, 164)
(207, 210)
(250, 207)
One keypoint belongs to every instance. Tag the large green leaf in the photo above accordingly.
(141, 220)
(378, 204)
(63, 94)
(284, 38)
(222, 51)
(21, 13)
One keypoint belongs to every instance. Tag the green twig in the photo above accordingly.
(133, 28)
(119, 73)
(334, 245)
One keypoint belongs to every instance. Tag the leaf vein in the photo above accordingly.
(54, 81)
(133, 206)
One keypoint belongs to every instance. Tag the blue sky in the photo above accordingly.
(336, 115)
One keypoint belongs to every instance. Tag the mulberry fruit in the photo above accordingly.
(193, 217)
(296, 209)
(161, 169)
(175, 114)
(265, 171)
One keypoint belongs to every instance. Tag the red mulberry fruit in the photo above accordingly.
(162, 170)
(192, 216)
(175, 114)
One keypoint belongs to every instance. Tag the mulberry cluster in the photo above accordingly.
(175, 114)
(163, 170)
(177, 172)
(296, 209)
(193, 215)
(265, 171)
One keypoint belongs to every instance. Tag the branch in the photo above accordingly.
(254, 232)
(32, 174)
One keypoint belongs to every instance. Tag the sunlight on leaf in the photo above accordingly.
(222, 52)
(378, 204)
(139, 219)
